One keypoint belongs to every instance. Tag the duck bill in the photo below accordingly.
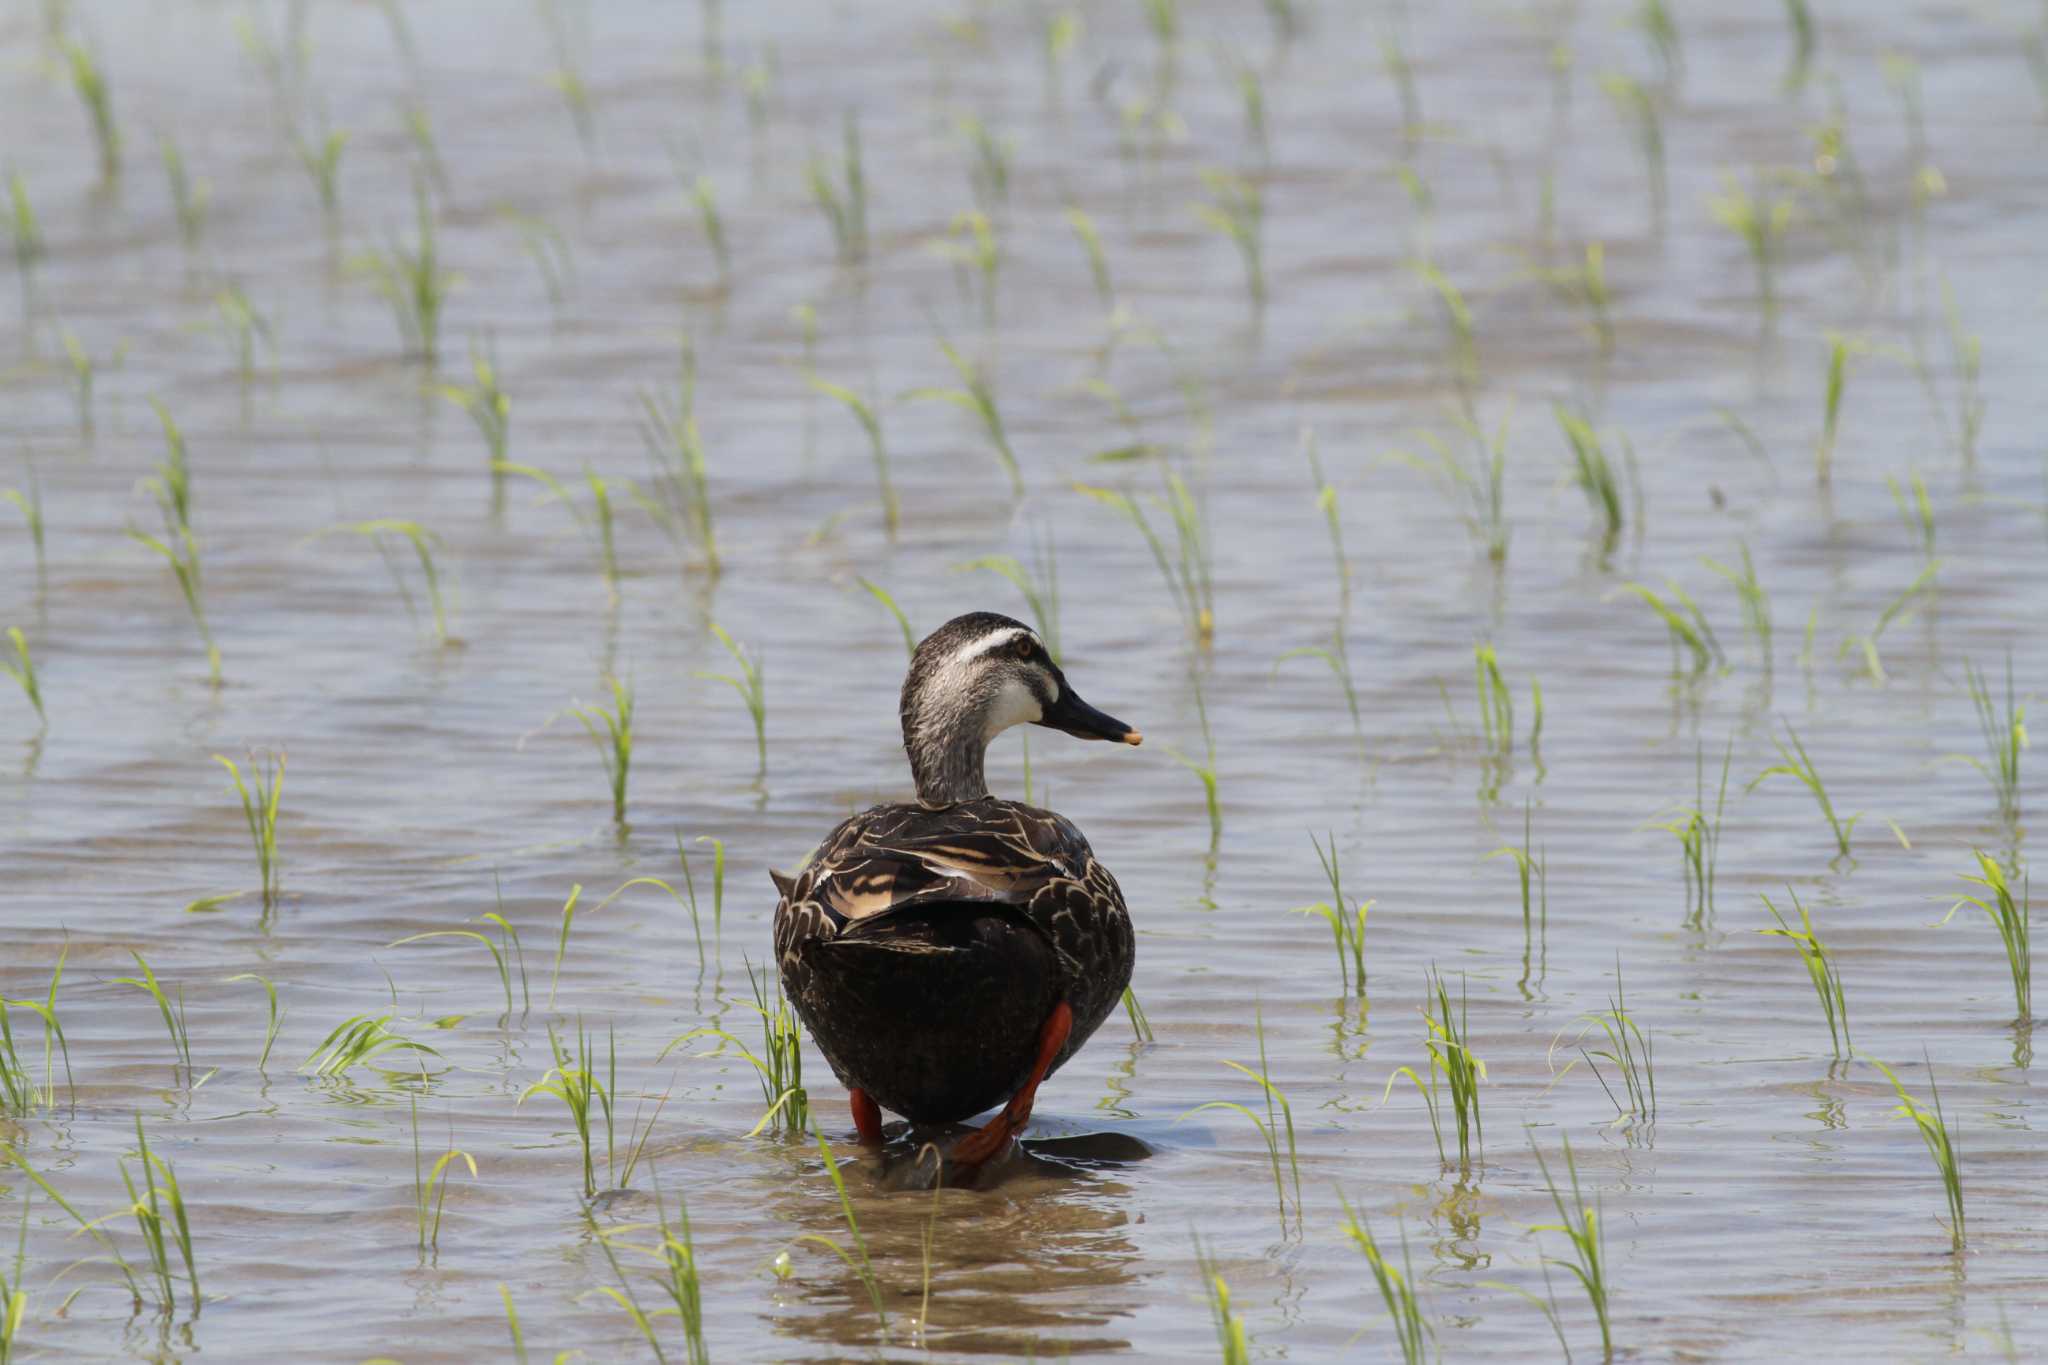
(1079, 719)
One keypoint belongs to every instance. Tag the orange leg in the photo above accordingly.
(867, 1117)
(984, 1142)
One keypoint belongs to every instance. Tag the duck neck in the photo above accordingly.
(946, 762)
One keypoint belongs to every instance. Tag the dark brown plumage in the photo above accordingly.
(923, 947)
(948, 954)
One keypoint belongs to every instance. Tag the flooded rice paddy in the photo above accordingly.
(1299, 271)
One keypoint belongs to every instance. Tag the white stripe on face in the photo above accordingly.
(974, 649)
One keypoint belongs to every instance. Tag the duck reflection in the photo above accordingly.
(1028, 1255)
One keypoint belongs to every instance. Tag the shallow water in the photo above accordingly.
(1776, 1202)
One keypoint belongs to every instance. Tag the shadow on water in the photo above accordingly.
(1030, 1254)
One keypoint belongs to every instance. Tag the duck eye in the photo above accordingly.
(1026, 648)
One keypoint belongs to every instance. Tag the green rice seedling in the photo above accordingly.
(611, 729)
(1091, 243)
(1839, 347)
(159, 1212)
(1451, 1061)
(419, 130)
(1628, 1051)
(1916, 511)
(1237, 209)
(276, 1019)
(357, 1040)
(972, 245)
(717, 893)
(321, 160)
(574, 1082)
(1401, 70)
(22, 227)
(423, 543)
(562, 939)
(1685, 622)
(1866, 645)
(567, 76)
(512, 1321)
(1661, 31)
(1496, 701)
(172, 483)
(1699, 837)
(977, 395)
(1586, 1235)
(1966, 359)
(14, 1298)
(841, 194)
(1756, 603)
(679, 1278)
(2005, 738)
(1458, 318)
(486, 403)
(1347, 924)
(20, 1095)
(259, 796)
(881, 594)
(1594, 473)
(1231, 1340)
(1039, 585)
(550, 252)
(1638, 106)
(681, 502)
(1474, 484)
(1760, 219)
(190, 198)
(1337, 657)
(1206, 769)
(181, 552)
(1799, 18)
(1251, 94)
(496, 948)
(1396, 1285)
(412, 282)
(779, 1064)
(1932, 1125)
(1532, 870)
(2010, 917)
(857, 1260)
(704, 195)
(244, 327)
(1326, 503)
(23, 671)
(1795, 763)
(429, 1189)
(1585, 283)
(871, 423)
(599, 526)
(1141, 1027)
(91, 1227)
(747, 682)
(91, 84)
(174, 1019)
(1278, 1118)
(1163, 18)
(1187, 568)
(988, 163)
(1820, 969)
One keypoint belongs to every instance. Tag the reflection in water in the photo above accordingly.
(1034, 1258)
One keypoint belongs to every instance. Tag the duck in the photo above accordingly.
(949, 953)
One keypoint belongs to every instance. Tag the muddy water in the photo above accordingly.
(1775, 1202)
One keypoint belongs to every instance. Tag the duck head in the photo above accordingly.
(972, 679)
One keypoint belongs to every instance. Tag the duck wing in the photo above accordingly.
(895, 858)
